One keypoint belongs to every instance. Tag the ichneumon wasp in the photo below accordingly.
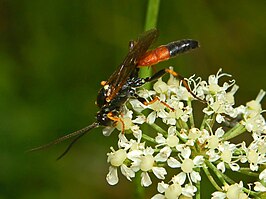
(123, 83)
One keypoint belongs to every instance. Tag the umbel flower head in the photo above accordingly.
(179, 152)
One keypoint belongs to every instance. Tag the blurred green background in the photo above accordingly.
(53, 55)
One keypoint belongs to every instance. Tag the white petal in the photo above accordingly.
(151, 117)
(128, 172)
(186, 152)
(160, 139)
(137, 132)
(161, 187)
(163, 155)
(218, 195)
(195, 176)
(145, 179)
(259, 187)
(198, 160)
(234, 166)
(173, 191)
(180, 178)
(160, 86)
(172, 130)
(159, 172)
(112, 177)
(189, 190)
(221, 167)
(135, 154)
(219, 118)
(137, 105)
(148, 151)
(253, 167)
(139, 120)
(262, 174)
(162, 114)
(219, 132)
(173, 163)
(117, 158)
(123, 142)
(158, 196)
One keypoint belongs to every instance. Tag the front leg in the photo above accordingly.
(116, 119)
(154, 99)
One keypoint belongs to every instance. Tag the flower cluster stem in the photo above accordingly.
(248, 172)
(198, 186)
(140, 190)
(216, 171)
(159, 129)
(148, 138)
(235, 131)
(211, 179)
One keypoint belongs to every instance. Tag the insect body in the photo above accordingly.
(123, 83)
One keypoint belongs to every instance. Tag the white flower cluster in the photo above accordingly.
(179, 147)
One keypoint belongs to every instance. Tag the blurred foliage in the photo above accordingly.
(53, 54)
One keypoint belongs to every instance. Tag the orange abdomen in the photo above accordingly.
(154, 56)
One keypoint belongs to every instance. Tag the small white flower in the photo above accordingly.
(171, 191)
(231, 192)
(226, 154)
(187, 166)
(116, 159)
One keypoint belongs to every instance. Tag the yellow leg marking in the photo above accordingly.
(117, 119)
(155, 99)
(103, 83)
(171, 72)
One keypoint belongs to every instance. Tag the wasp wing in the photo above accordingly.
(122, 73)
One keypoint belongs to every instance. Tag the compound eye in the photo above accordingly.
(101, 98)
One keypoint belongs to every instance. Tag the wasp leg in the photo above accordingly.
(175, 74)
(155, 99)
(116, 119)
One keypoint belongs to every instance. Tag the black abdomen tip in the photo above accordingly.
(182, 46)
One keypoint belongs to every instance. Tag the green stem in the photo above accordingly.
(182, 124)
(225, 178)
(216, 171)
(235, 131)
(180, 137)
(198, 186)
(148, 138)
(211, 179)
(204, 121)
(140, 191)
(152, 14)
(150, 22)
(159, 129)
(248, 172)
